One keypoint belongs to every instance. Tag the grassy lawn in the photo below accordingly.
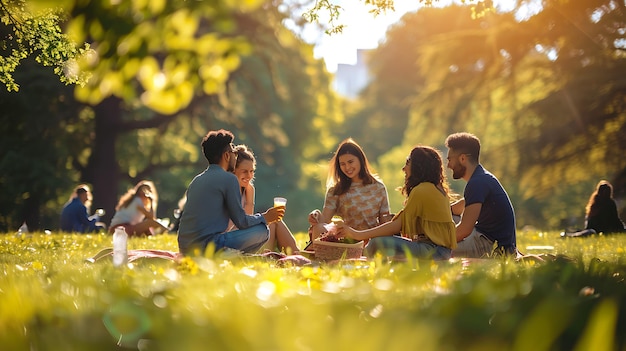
(52, 299)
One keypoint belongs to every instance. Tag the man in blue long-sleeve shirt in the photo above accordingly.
(214, 198)
(74, 217)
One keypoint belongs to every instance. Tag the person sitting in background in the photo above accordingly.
(425, 223)
(601, 211)
(178, 211)
(136, 211)
(281, 238)
(75, 217)
(354, 193)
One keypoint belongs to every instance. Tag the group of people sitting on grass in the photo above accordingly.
(424, 228)
(219, 205)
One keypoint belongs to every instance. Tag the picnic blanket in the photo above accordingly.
(134, 255)
(284, 260)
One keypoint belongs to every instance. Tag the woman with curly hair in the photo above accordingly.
(425, 224)
(353, 192)
(136, 210)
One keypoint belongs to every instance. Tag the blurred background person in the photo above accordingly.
(136, 211)
(601, 211)
(75, 214)
(178, 211)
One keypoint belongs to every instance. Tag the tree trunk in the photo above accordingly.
(102, 170)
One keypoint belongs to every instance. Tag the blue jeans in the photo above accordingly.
(248, 240)
(399, 246)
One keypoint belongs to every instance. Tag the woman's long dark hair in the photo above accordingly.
(426, 166)
(603, 192)
(337, 179)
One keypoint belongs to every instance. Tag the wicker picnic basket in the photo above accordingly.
(328, 250)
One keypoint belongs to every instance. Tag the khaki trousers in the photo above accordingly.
(476, 245)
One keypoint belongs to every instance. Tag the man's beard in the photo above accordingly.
(231, 165)
(458, 172)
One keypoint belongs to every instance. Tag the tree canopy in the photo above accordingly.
(271, 93)
(544, 93)
(37, 35)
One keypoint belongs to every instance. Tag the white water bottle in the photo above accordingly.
(120, 246)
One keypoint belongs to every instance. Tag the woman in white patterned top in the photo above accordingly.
(353, 192)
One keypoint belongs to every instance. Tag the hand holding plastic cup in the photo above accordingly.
(280, 202)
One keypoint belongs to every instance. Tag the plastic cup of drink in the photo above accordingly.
(336, 220)
(280, 201)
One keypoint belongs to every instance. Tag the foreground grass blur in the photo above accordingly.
(51, 299)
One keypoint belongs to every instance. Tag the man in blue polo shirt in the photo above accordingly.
(487, 215)
(214, 198)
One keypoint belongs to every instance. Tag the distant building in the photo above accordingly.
(351, 79)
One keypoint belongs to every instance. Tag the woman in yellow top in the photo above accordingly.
(425, 223)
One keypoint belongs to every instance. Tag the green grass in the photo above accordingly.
(51, 299)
